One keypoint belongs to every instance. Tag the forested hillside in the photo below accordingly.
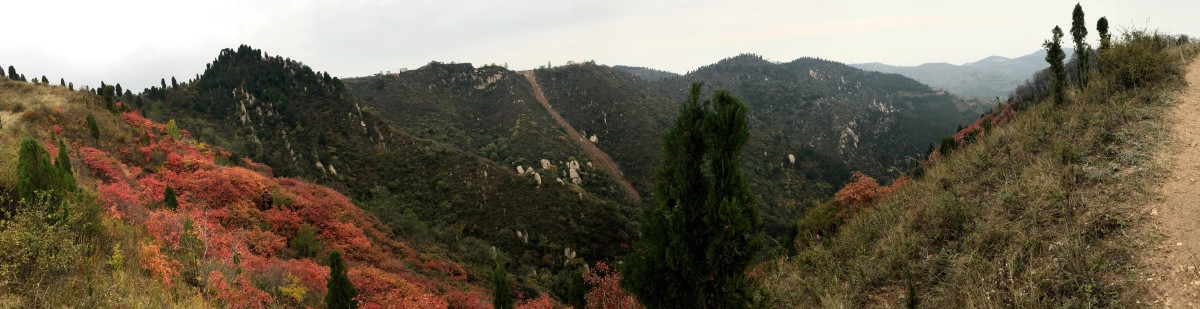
(302, 123)
(133, 213)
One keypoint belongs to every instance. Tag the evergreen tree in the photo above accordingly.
(35, 173)
(501, 291)
(92, 127)
(699, 237)
(118, 88)
(62, 82)
(3, 74)
(306, 243)
(44, 80)
(1054, 56)
(164, 83)
(12, 73)
(341, 292)
(63, 164)
(1079, 34)
(174, 84)
(1102, 30)
(23, 78)
(169, 199)
(71, 86)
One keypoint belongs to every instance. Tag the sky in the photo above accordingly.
(138, 42)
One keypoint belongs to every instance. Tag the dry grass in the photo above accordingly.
(1036, 213)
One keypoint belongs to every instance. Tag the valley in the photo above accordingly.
(1059, 178)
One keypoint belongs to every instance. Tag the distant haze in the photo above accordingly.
(137, 42)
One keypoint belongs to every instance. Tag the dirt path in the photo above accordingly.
(599, 158)
(1174, 262)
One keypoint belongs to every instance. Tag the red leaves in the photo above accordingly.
(247, 211)
(389, 290)
(237, 293)
(863, 192)
(159, 265)
(606, 292)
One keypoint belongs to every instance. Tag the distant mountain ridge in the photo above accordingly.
(987, 78)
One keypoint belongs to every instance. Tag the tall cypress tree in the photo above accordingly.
(501, 291)
(92, 127)
(1055, 56)
(63, 164)
(341, 292)
(12, 73)
(1102, 30)
(699, 237)
(62, 82)
(1079, 34)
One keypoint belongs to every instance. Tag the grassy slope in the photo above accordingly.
(1035, 213)
(63, 266)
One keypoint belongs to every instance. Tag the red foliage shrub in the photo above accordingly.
(468, 299)
(606, 292)
(541, 302)
(453, 270)
(157, 264)
(101, 165)
(237, 293)
(389, 290)
(863, 192)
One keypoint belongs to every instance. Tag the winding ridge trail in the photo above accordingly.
(601, 159)
(1173, 264)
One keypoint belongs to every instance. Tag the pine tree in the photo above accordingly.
(63, 164)
(1102, 30)
(1079, 34)
(23, 78)
(12, 73)
(71, 86)
(62, 82)
(169, 199)
(163, 81)
(341, 292)
(1055, 56)
(174, 84)
(35, 173)
(501, 291)
(3, 74)
(92, 127)
(699, 237)
(118, 88)
(44, 80)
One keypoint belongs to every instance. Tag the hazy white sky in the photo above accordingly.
(137, 42)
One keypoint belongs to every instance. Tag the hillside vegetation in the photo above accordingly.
(302, 123)
(1031, 206)
(228, 236)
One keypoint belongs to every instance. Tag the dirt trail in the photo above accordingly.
(599, 158)
(1174, 263)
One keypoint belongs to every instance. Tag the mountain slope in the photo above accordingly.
(987, 78)
(1037, 204)
(303, 124)
(230, 241)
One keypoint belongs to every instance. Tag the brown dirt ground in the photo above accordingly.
(601, 159)
(1173, 263)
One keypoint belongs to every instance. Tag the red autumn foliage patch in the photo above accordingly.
(247, 213)
(863, 192)
(606, 292)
